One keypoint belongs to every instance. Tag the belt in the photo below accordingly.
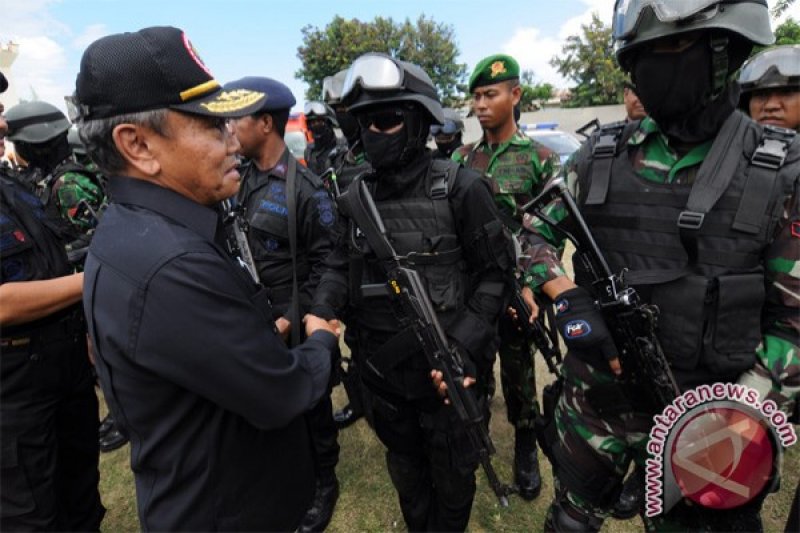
(14, 342)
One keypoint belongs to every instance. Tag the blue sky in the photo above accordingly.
(239, 38)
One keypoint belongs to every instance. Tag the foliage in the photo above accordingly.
(781, 6)
(588, 60)
(533, 94)
(427, 43)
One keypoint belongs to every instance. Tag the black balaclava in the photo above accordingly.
(676, 90)
(392, 151)
(324, 136)
(349, 126)
(447, 149)
(45, 156)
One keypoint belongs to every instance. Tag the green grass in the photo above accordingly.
(368, 501)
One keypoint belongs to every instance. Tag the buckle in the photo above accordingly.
(606, 146)
(770, 154)
(691, 220)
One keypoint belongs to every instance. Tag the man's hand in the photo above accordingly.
(314, 323)
(284, 327)
(441, 387)
(530, 301)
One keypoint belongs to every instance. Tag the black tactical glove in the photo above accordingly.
(582, 326)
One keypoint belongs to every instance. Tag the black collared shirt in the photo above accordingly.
(192, 369)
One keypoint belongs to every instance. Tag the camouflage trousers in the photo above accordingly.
(599, 435)
(518, 376)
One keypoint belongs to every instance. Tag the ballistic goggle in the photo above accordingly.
(316, 109)
(774, 67)
(628, 13)
(332, 89)
(373, 72)
(448, 128)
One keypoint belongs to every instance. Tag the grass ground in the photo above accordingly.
(368, 501)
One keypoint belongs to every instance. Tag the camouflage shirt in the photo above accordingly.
(778, 374)
(517, 169)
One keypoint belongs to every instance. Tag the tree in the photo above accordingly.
(429, 44)
(533, 93)
(588, 60)
(788, 32)
(781, 6)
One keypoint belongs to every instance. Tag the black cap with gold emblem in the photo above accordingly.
(153, 68)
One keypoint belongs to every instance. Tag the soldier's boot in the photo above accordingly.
(526, 464)
(319, 515)
(630, 499)
(564, 518)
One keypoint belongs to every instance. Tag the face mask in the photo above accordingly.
(676, 91)
(447, 148)
(384, 150)
(323, 134)
(674, 85)
(349, 126)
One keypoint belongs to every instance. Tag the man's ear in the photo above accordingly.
(267, 123)
(135, 143)
(516, 93)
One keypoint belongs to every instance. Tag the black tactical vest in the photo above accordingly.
(422, 229)
(710, 288)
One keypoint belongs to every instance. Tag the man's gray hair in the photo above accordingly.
(97, 136)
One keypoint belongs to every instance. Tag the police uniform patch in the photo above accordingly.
(562, 306)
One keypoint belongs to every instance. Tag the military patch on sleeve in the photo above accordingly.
(796, 229)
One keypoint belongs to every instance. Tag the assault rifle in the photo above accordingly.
(236, 227)
(537, 333)
(414, 310)
(631, 322)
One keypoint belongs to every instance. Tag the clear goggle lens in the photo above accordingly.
(373, 72)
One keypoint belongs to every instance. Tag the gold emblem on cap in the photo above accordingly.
(234, 100)
(498, 67)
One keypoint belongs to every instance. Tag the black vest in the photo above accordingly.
(711, 302)
(423, 229)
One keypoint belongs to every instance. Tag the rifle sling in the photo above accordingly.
(291, 204)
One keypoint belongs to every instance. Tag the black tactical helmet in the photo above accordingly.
(378, 79)
(35, 122)
(321, 110)
(773, 68)
(637, 22)
(332, 87)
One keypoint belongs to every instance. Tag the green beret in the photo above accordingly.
(494, 69)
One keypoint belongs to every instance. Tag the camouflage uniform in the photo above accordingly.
(516, 170)
(616, 440)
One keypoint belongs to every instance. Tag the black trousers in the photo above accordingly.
(48, 431)
(431, 463)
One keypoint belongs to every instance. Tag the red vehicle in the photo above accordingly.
(297, 136)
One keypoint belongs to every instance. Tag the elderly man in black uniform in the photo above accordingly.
(290, 215)
(441, 217)
(187, 351)
(48, 408)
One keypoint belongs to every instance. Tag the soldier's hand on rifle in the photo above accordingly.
(314, 323)
(530, 301)
(583, 328)
(441, 386)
